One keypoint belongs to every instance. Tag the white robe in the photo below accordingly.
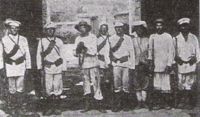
(163, 51)
(52, 56)
(186, 49)
(8, 44)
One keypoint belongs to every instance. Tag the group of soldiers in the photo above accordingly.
(159, 69)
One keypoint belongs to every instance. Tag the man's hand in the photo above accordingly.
(178, 60)
(192, 60)
(168, 69)
(151, 65)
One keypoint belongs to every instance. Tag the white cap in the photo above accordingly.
(183, 20)
(49, 25)
(7, 21)
(140, 23)
(13, 23)
(118, 24)
(103, 23)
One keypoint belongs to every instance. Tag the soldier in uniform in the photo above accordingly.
(123, 59)
(86, 50)
(187, 57)
(103, 49)
(17, 65)
(51, 66)
(141, 80)
(161, 54)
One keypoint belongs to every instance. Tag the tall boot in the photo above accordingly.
(86, 103)
(12, 104)
(188, 100)
(100, 106)
(56, 106)
(125, 101)
(48, 110)
(156, 100)
(167, 101)
(21, 109)
(116, 106)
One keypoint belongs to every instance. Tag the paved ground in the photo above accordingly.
(134, 113)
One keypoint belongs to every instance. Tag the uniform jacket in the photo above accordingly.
(56, 53)
(186, 49)
(163, 51)
(104, 51)
(14, 69)
(90, 42)
(126, 49)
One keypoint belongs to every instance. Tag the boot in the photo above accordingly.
(100, 106)
(188, 100)
(144, 105)
(156, 100)
(116, 106)
(139, 105)
(48, 110)
(21, 107)
(167, 101)
(56, 106)
(12, 104)
(87, 104)
(125, 101)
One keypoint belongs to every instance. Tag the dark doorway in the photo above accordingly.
(171, 11)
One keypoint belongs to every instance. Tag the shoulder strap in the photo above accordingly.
(117, 45)
(102, 44)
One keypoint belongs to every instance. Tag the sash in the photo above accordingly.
(52, 45)
(117, 45)
(102, 44)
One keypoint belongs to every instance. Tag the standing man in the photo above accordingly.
(51, 65)
(187, 57)
(17, 65)
(161, 54)
(123, 59)
(86, 49)
(103, 49)
(141, 81)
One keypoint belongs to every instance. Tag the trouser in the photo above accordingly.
(91, 77)
(121, 79)
(16, 84)
(53, 84)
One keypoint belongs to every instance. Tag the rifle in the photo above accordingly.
(42, 73)
(175, 92)
(151, 76)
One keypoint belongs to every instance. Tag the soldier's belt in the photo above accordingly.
(101, 57)
(58, 62)
(17, 61)
(121, 60)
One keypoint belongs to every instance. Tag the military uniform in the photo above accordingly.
(53, 64)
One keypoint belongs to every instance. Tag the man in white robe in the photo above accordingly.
(161, 53)
(187, 57)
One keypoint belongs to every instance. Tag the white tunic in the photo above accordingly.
(126, 49)
(90, 43)
(104, 51)
(52, 56)
(186, 49)
(163, 51)
(141, 49)
(8, 44)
